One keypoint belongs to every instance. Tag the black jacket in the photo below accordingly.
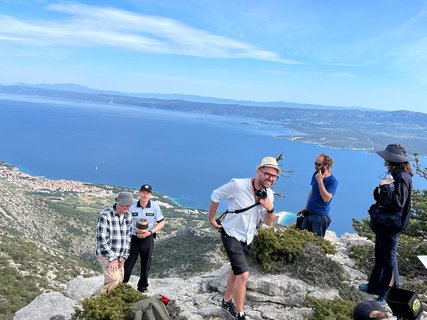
(394, 202)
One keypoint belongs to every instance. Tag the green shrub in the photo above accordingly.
(112, 306)
(16, 290)
(409, 248)
(275, 247)
(363, 257)
(337, 309)
(317, 269)
(362, 228)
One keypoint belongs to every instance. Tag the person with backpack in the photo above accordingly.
(389, 216)
(250, 201)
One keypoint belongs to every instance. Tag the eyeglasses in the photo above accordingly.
(318, 164)
(270, 175)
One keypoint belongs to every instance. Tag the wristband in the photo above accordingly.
(270, 211)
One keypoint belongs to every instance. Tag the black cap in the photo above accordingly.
(146, 187)
(365, 309)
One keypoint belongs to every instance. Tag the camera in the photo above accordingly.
(262, 194)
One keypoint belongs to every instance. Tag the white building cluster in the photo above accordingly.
(15, 176)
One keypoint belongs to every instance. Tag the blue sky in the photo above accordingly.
(331, 52)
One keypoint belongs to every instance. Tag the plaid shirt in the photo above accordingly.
(113, 236)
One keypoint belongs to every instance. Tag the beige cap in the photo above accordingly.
(269, 162)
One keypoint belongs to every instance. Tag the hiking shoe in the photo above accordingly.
(242, 317)
(364, 287)
(229, 307)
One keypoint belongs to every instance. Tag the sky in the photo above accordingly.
(333, 52)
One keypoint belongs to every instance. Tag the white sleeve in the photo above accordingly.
(224, 192)
(158, 214)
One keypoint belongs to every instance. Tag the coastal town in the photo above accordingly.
(41, 184)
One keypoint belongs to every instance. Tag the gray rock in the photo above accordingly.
(79, 288)
(284, 290)
(46, 306)
(284, 313)
(269, 296)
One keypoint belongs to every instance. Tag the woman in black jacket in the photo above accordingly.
(390, 215)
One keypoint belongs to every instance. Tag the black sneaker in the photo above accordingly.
(229, 307)
(242, 317)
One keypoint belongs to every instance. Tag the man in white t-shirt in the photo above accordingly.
(238, 229)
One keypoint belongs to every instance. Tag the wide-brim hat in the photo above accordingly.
(368, 310)
(124, 198)
(269, 162)
(394, 153)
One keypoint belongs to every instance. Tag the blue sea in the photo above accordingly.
(182, 155)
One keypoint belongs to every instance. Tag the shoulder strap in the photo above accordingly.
(237, 211)
(244, 209)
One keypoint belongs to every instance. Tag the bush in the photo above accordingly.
(363, 257)
(273, 248)
(409, 248)
(337, 309)
(314, 267)
(112, 306)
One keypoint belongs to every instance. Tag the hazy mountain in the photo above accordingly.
(344, 128)
(192, 98)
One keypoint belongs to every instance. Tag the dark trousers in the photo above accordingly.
(385, 263)
(143, 248)
(316, 224)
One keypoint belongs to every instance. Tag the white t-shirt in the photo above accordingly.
(239, 195)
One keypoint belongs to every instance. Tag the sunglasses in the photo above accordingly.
(318, 164)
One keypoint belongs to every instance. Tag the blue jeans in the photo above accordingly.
(316, 224)
(385, 263)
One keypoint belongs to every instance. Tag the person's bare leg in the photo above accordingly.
(239, 291)
(391, 284)
(231, 279)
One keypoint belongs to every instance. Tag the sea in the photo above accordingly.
(182, 155)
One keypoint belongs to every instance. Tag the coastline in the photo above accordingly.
(40, 184)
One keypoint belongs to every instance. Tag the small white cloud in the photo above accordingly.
(110, 27)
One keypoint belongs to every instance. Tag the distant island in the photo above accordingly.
(333, 127)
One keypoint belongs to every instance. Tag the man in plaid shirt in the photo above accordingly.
(113, 240)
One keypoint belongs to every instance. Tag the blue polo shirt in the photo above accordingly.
(152, 213)
(315, 203)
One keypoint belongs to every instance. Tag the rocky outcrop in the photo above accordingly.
(277, 296)
(46, 306)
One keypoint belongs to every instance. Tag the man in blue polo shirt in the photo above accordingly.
(142, 242)
(323, 187)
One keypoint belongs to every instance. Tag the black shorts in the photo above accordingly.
(238, 253)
